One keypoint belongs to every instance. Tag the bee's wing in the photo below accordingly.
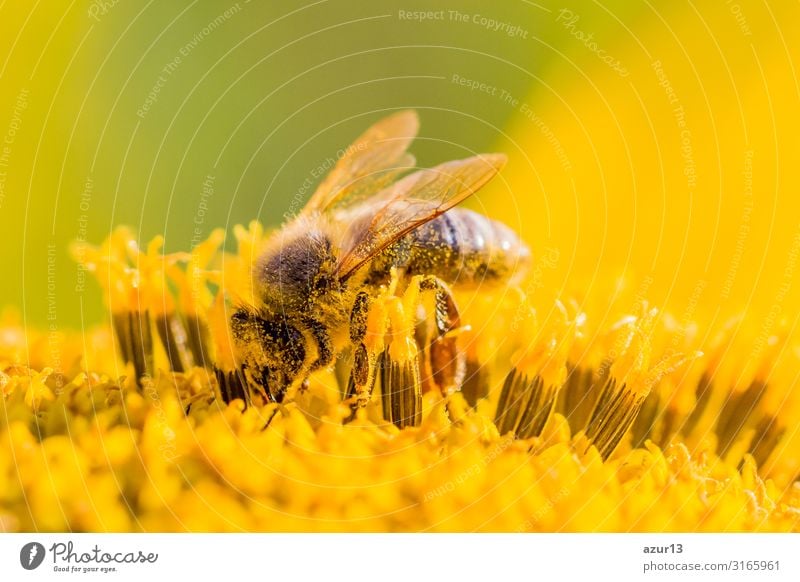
(371, 162)
(409, 203)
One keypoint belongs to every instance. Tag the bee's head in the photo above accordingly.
(270, 352)
(296, 267)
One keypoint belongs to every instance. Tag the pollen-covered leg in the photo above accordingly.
(385, 352)
(366, 349)
(270, 354)
(448, 362)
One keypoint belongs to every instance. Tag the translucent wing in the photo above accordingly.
(370, 163)
(409, 203)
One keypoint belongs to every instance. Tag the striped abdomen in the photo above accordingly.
(460, 247)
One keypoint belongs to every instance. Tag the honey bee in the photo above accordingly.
(369, 221)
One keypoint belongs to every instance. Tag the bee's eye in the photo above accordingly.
(321, 283)
(240, 320)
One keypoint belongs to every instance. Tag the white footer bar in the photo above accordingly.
(400, 557)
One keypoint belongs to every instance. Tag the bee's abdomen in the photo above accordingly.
(463, 248)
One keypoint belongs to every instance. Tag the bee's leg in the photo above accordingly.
(323, 342)
(396, 362)
(362, 375)
(244, 379)
(448, 363)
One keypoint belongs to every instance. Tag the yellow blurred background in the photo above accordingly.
(655, 140)
(680, 171)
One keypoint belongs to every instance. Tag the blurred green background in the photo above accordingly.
(117, 112)
(130, 107)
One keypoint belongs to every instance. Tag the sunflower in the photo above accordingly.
(566, 422)
(642, 378)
